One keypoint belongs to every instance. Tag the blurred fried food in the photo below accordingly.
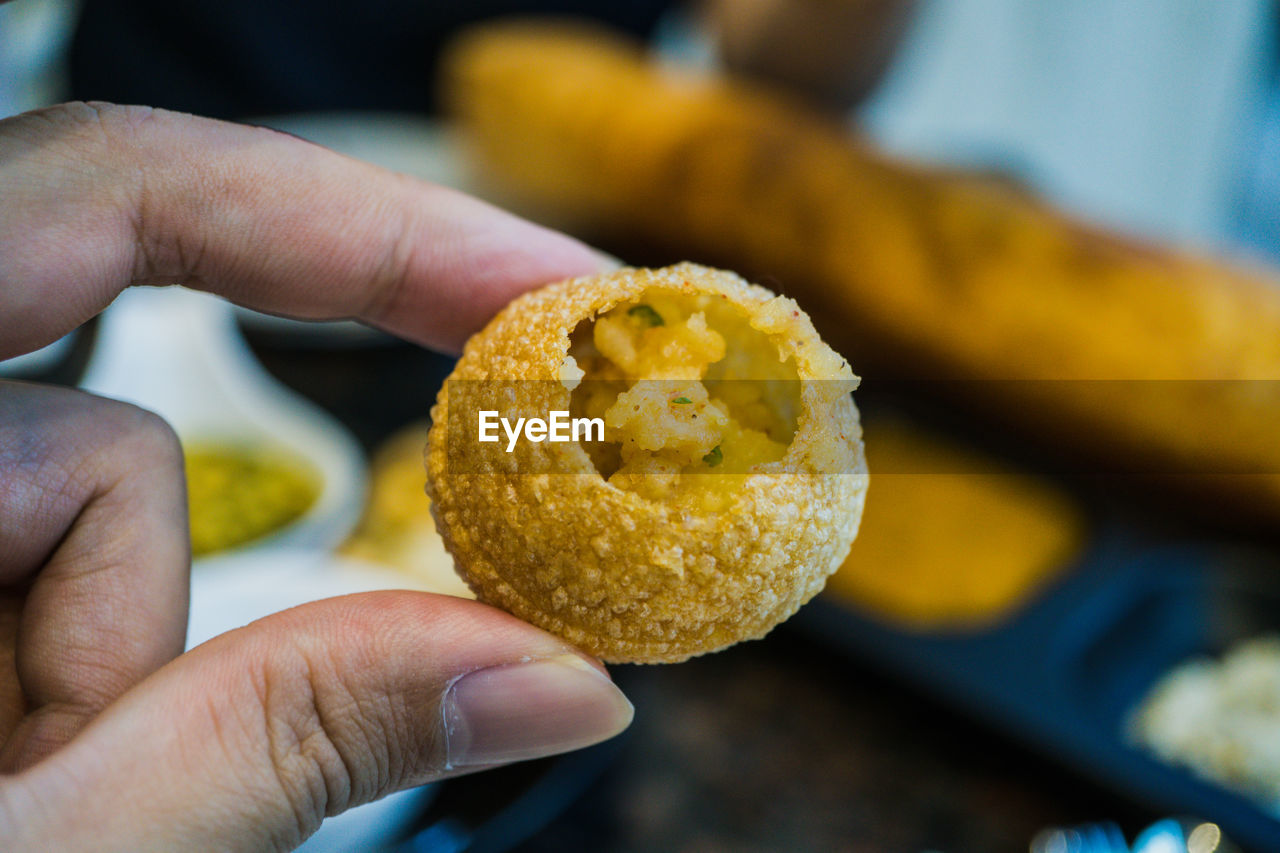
(1221, 718)
(951, 540)
(1154, 360)
(397, 530)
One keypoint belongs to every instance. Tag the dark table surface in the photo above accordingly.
(783, 745)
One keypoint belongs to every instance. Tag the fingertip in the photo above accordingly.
(607, 262)
(531, 709)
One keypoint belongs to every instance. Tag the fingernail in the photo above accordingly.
(529, 710)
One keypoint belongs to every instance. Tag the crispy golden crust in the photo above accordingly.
(625, 578)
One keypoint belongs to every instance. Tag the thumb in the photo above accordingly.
(248, 741)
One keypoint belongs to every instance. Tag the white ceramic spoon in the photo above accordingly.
(178, 353)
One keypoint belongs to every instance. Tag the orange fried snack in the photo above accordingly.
(951, 540)
(724, 485)
(396, 529)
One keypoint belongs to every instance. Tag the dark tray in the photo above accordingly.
(1065, 672)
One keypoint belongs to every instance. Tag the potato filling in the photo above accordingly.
(685, 386)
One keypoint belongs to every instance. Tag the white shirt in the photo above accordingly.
(1136, 113)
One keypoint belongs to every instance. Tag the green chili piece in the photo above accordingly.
(646, 314)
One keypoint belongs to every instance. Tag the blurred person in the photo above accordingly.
(1150, 116)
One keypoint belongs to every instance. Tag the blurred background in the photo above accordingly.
(1032, 646)
(1156, 115)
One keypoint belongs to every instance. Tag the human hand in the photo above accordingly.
(834, 52)
(111, 739)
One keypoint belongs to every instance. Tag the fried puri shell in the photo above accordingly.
(539, 532)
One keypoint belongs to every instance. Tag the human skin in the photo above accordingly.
(110, 738)
(833, 52)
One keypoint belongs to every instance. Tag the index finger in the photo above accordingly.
(98, 197)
